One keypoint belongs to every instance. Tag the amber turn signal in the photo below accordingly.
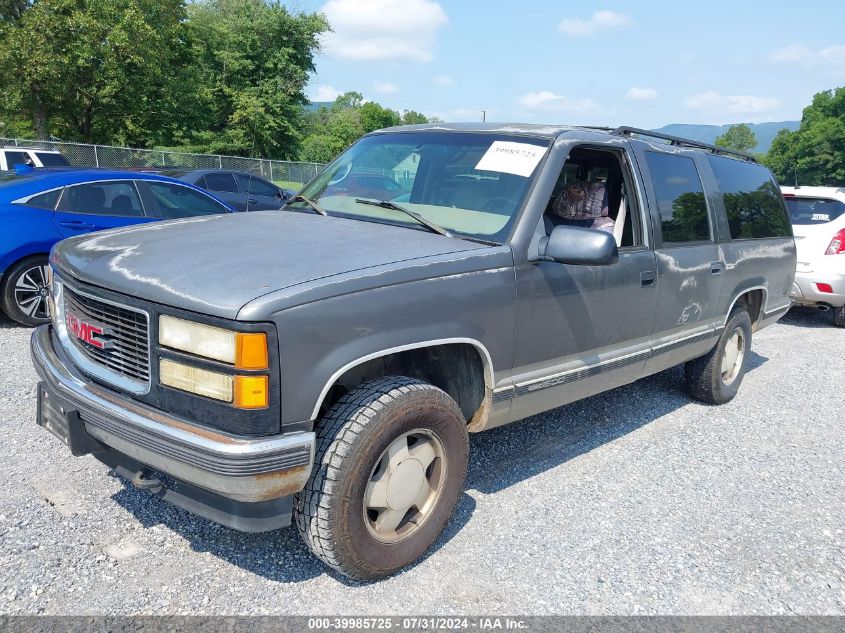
(252, 392)
(251, 350)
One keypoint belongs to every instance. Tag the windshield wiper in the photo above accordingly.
(314, 206)
(387, 204)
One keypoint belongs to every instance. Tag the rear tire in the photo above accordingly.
(24, 292)
(839, 316)
(715, 377)
(389, 467)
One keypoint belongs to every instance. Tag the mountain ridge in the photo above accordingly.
(764, 132)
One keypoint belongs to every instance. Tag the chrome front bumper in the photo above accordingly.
(244, 469)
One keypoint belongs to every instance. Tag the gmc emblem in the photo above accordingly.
(89, 333)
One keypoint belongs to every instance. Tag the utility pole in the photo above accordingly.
(483, 116)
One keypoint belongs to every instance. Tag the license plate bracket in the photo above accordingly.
(60, 418)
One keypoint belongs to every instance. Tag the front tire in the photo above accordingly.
(389, 467)
(24, 292)
(715, 377)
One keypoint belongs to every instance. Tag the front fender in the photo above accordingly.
(320, 341)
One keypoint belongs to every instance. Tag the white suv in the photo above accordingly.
(818, 221)
(32, 156)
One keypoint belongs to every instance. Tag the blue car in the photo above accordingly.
(40, 207)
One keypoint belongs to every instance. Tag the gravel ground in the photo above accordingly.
(637, 501)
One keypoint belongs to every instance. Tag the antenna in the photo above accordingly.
(483, 116)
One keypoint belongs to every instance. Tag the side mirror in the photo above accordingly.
(578, 245)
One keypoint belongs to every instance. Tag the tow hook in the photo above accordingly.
(144, 481)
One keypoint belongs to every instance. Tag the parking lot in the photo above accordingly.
(637, 501)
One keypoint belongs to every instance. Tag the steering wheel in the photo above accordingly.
(335, 179)
(498, 204)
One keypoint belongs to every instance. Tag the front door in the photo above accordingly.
(584, 329)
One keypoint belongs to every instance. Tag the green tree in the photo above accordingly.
(254, 58)
(409, 117)
(329, 131)
(815, 153)
(91, 70)
(739, 138)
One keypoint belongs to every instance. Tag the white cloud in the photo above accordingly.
(323, 93)
(715, 103)
(831, 57)
(599, 21)
(791, 54)
(385, 87)
(397, 30)
(547, 101)
(833, 54)
(641, 94)
(442, 81)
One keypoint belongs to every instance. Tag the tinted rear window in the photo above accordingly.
(49, 159)
(813, 210)
(680, 198)
(753, 200)
(221, 182)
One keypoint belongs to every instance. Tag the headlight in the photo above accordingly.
(210, 384)
(244, 350)
(245, 392)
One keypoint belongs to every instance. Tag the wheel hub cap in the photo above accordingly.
(404, 486)
(733, 357)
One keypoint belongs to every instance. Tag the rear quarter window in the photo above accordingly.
(753, 201)
(810, 211)
(45, 200)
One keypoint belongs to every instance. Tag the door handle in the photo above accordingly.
(251, 201)
(648, 278)
(76, 225)
(715, 268)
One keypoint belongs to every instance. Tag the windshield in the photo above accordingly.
(803, 211)
(470, 184)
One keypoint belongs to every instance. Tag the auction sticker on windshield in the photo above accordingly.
(508, 157)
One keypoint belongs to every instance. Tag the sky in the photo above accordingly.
(644, 64)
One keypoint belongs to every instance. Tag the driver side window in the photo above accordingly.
(595, 191)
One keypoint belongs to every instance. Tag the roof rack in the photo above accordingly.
(682, 142)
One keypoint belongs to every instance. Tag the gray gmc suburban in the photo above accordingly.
(324, 364)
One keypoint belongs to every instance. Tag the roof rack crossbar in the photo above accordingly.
(682, 142)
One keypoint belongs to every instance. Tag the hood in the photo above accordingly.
(216, 264)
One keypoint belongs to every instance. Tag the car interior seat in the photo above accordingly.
(89, 198)
(122, 205)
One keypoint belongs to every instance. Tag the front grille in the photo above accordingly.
(125, 333)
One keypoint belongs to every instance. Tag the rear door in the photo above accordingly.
(94, 206)
(689, 269)
(261, 195)
(224, 186)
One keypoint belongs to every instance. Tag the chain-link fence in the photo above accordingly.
(285, 173)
